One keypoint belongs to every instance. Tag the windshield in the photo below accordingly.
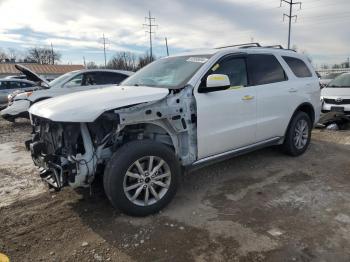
(340, 81)
(62, 79)
(169, 72)
(331, 76)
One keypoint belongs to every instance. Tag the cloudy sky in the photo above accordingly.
(75, 27)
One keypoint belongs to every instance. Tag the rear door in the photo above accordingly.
(275, 96)
(226, 119)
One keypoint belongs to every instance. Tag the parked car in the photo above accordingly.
(336, 95)
(178, 113)
(16, 77)
(8, 86)
(74, 81)
(326, 79)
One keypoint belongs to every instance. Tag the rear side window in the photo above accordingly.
(105, 78)
(24, 84)
(14, 85)
(298, 66)
(265, 69)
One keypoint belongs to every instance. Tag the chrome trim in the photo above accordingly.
(235, 152)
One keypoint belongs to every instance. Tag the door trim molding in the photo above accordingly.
(235, 152)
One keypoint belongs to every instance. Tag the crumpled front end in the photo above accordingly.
(64, 153)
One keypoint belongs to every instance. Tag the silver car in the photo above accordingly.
(9, 86)
(71, 82)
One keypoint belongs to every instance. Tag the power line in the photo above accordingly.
(150, 23)
(290, 16)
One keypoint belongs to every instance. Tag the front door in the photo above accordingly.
(226, 119)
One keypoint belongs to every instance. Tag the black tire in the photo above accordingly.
(122, 160)
(289, 146)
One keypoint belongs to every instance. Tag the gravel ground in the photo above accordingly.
(262, 206)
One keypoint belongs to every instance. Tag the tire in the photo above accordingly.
(124, 178)
(293, 145)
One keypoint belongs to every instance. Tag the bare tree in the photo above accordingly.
(123, 61)
(42, 55)
(145, 60)
(91, 65)
(12, 54)
(3, 56)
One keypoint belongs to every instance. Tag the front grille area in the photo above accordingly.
(334, 102)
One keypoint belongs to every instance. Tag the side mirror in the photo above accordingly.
(215, 82)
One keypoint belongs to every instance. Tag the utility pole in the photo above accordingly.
(166, 44)
(84, 62)
(104, 49)
(150, 23)
(52, 54)
(290, 16)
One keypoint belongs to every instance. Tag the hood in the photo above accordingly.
(335, 92)
(88, 105)
(30, 74)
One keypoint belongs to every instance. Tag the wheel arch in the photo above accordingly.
(159, 132)
(305, 107)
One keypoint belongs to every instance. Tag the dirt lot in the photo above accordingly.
(263, 206)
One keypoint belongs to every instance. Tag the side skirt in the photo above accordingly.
(232, 153)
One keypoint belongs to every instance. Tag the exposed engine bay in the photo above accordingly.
(74, 153)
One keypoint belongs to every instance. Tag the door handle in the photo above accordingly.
(292, 90)
(247, 97)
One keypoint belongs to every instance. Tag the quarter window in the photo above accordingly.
(265, 69)
(298, 66)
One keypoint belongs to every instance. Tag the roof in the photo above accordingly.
(124, 72)
(242, 49)
(9, 68)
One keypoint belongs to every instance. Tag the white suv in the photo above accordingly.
(178, 113)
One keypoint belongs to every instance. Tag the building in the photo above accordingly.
(46, 71)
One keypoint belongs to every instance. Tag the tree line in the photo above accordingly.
(46, 56)
(125, 61)
(39, 55)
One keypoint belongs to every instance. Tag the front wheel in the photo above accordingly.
(298, 135)
(142, 177)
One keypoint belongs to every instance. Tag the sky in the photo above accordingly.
(75, 27)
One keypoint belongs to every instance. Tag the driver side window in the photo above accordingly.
(75, 81)
(234, 68)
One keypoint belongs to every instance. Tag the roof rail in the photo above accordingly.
(241, 45)
(274, 46)
(270, 46)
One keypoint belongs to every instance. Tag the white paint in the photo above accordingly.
(88, 105)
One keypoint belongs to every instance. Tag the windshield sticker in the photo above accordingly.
(197, 60)
(215, 67)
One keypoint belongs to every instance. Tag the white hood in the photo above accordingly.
(333, 92)
(88, 105)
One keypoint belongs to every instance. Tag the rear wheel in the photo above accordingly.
(298, 135)
(142, 177)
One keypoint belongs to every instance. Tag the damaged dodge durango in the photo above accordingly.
(176, 114)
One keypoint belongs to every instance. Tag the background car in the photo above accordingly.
(68, 83)
(8, 86)
(336, 95)
(326, 79)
